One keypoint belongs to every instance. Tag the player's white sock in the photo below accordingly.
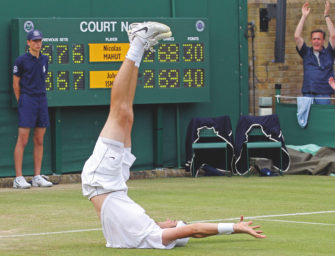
(138, 62)
(136, 51)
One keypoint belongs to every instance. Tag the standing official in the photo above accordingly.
(30, 71)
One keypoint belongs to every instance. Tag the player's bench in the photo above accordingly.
(208, 133)
(262, 145)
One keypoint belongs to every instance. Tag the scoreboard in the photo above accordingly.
(86, 53)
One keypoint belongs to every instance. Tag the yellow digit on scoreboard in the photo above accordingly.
(78, 54)
(193, 52)
(168, 53)
(63, 80)
(63, 53)
(49, 85)
(194, 77)
(79, 80)
(149, 78)
(168, 78)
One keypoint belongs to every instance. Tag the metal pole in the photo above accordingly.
(253, 72)
(158, 139)
(251, 29)
(178, 151)
(56, 140)
(280, 31)
(250, 32)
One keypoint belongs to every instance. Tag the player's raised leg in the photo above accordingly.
(151, 31)
(130, 120)
(119, 112)
(115, 138)
(142, 36)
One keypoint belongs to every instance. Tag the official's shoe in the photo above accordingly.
(40, 181)
(150, 32)
(21, 183)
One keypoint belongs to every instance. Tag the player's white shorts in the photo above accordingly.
(107, 169)
(126, 225)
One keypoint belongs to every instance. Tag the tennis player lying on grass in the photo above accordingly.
(125, 224)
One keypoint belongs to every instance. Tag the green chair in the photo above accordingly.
(254, 145)
(208, 133)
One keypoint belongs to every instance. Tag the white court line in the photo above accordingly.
(217, 220)
(299, 222)
(53, 233)
(268, 216)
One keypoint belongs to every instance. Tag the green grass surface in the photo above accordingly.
(62, 208)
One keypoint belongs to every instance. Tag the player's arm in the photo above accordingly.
(298, 31)
(330, 24)
(167, 224)
(246, 228)
(200, 230)
(16, 86)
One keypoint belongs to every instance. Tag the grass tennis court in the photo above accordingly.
(59, 221)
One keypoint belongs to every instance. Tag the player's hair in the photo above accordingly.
(319, 31)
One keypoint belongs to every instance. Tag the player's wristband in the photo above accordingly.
(225, 228)
(327, 16)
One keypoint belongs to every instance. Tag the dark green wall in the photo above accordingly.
(80, 126)
(319, 129)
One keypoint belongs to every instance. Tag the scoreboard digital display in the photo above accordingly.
(86, 53)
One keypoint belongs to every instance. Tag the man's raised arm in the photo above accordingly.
(298, 31)
(330, 24)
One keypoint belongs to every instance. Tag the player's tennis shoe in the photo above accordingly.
(150, 33)
(40, 181)
(20, 182)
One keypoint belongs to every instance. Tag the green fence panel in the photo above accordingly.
(319, 129)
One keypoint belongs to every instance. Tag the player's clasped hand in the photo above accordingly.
(245, 227)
